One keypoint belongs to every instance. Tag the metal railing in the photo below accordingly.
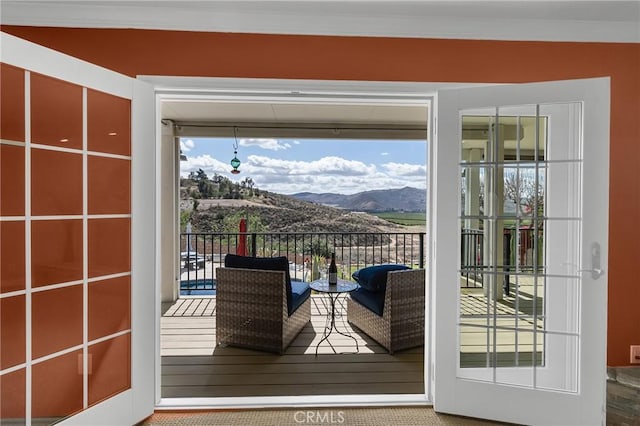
(518, 254)
(471, 258)
(307, 252)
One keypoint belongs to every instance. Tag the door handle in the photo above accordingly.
(596, 271)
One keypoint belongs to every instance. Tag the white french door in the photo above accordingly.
(520, 246)
(95, 363)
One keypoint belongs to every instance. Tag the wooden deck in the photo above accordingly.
(193, 367)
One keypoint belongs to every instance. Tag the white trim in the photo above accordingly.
(58, 217)
(56, 286)
(13, 368)
(108, 155)
(11, 142)
(33, 57)
(108, 277)
(56, 354)
(13, 293)
(271, 90)
(115, 410)
(144, 289)
(157, 299)
(258, 90)
(69, 150)
(109, 216)
(66, 284)
(12, 218)
(292, 401)
(85, 254)
(504, 20)
(429, 317)
(27, 242)
(56, 148)
(109, 337)
(74, 216)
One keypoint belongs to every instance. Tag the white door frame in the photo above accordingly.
(306, 91)
(265, 90)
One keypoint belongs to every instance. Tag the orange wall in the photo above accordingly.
(136, 52)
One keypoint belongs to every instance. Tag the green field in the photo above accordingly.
(401, 218)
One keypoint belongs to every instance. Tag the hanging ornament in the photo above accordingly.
(235, 163)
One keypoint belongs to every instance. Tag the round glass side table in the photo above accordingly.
(333, 292)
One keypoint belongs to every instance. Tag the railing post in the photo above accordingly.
(421, 250)
(254, 244)
(506, 240)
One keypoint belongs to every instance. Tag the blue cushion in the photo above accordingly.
(374, 278)
(300, 292)
(280, 263)
(372, 300)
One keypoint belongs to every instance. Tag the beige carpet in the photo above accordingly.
(396, 416)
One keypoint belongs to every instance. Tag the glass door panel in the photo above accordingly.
(520, 295)
(519, 214)
(82, 332)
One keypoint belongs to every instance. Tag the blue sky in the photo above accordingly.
(288, 166)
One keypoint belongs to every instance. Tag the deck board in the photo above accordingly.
(192, 366)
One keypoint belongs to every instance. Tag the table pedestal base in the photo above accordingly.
(330, 326)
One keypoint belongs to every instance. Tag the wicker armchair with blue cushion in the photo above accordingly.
(389, 305)
(257, 304)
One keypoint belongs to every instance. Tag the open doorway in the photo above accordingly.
(368, 368)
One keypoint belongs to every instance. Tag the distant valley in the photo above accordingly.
(405, 199)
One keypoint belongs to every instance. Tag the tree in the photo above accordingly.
(524, 191)
(201, 175)
(205, 186)
(248, 183)
(232, 221)
(185, 217)
(318, 248)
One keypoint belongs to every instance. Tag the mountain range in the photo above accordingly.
(406, 199)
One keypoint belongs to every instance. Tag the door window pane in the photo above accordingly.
(520, 210)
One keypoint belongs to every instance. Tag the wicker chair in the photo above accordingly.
(251, 310)
(402, 324)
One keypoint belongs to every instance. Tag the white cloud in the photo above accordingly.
(264, 143)
(186, 145)
(404, 169)
(326, 166)
(384, 153)
(327, 174)
(205, 162)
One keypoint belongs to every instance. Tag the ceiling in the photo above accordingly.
(297, 120)
(612, 21)
(282, 113)
(296, 108)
